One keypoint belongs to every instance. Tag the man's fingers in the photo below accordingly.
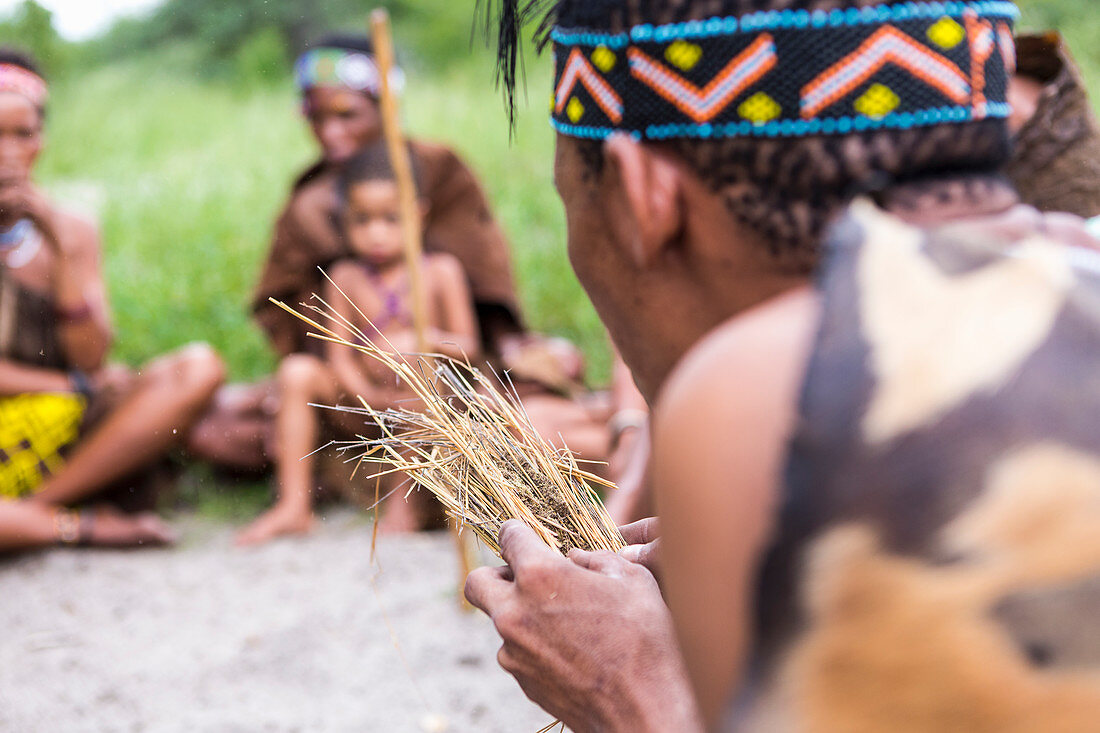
(641, 532)
(602, 561)
(486, 587)
(520, 546)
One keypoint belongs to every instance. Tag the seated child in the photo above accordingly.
(374, 278)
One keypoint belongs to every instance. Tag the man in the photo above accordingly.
(822, 452)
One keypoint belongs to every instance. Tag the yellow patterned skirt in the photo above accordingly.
(34, 429)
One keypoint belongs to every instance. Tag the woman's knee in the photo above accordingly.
(300, 372)
(195, 371)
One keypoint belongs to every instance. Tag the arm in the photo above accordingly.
(587, 637)
(76, 281)
(19, 379)
(345, 361)
(457, 334)
(718, 452)
(79, 290)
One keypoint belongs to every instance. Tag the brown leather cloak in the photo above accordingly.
(1056, 162)
(458, 222)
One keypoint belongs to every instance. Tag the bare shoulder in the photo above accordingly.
(729, 406)
(81, 233)
(444, 267)
(343, 274)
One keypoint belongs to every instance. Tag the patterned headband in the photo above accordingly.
(789, 73)
(24, 82)
(337, 67)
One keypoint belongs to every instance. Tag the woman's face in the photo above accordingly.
(20, 138)
(343, 121)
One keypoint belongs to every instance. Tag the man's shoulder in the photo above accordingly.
(734, 396)
(752, 348)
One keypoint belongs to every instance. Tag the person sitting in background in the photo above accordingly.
(339, 84)
(369, 289)
(71, 428)
(1055, 163)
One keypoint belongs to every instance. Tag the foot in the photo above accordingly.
(276, 522)
(111, 528)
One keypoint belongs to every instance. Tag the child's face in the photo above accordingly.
(372, 222)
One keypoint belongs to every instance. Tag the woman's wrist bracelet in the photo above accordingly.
(81, 384)
(66, 526)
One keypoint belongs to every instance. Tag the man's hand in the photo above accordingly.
(642, 540)
(587, 637)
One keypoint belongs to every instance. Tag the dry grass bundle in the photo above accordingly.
(471, 445)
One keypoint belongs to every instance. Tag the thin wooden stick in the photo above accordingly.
(402, 170)
(410, 218)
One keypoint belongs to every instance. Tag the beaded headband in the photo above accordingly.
(338, 67)
(26, 83)
(789, 73)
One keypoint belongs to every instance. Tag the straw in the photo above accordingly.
(467, 439)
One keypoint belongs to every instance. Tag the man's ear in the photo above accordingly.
(647, 186)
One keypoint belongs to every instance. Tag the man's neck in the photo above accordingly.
(932, 202)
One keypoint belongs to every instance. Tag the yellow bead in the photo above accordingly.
(574, 109)
(946, 33)
(759, 108)
(683, 55)
(604, 59)
(878, 101)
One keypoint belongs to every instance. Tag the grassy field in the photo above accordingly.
(187, 174)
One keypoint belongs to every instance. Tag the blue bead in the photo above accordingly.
(801, 18)
(730, 25)
(836, 18)
(706, 130)
(844, 125)
(819, 18)
(771, 129)
(862, 123)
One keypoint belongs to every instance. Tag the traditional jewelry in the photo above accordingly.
(19, 244)
(789, 73)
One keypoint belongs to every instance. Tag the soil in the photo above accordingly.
(290, 636)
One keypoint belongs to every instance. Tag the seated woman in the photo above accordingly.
(54, 336)
(369, 288)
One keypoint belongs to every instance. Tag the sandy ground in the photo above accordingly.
(292, 636)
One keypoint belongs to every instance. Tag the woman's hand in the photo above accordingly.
(25, 200)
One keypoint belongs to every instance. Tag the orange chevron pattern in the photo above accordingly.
(702, 105)
(982, 44)
(887, 46)
(577, 69)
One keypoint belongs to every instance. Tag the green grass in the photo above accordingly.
(191, 172)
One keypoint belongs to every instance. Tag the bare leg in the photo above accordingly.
(28, 525)
(171, 392)
(235, 432)
(302, 379)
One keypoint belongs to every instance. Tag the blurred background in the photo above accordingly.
(175, 122)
